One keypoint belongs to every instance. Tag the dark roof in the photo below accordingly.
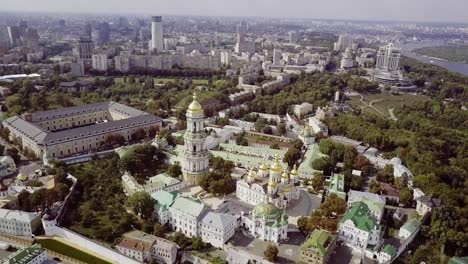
(429, 201)
(101, 128)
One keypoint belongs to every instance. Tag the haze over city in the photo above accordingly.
(400, 10)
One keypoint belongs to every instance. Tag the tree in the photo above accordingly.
(406, 197)
(326, 146)
(142, 204)
(333, 205)
(197, 243)
(174, 170)
(281, 128)
(24, 202)
(159, 230)
(139, 134)
(241, 140)
(271, 253)
(322, 164)
(292, 156)
(38, 199)
(317, 182)
(375, 187)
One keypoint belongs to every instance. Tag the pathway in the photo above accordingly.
(392, 115)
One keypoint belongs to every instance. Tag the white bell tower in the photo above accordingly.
(195, 161)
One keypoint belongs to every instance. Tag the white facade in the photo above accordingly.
(99, 62)
(303, 109)
(184, 215)
(317, 126)
(269, 185)
(195, 157)
(388, 58)
(217, 228)
(18, 223)
(267, 223)
(277, 56)
(347, 60)
(157, 42)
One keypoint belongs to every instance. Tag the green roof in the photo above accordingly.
(318, 241)
(374, 206)
(337, 185)
(164, 198)
(188, 206)
(27, 254)
(411, 225)
(458, 260)
(311, 154)
(359, 215)
(390, 250)
(268, 210)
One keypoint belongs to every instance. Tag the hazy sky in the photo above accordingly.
(413, 10)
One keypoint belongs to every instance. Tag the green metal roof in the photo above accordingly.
(318, 241)
(164, 198)
(359, 215)
(390, 250)
(411, 225)
(27, 254)
(268, 210)
(337, 185)
(458, 260)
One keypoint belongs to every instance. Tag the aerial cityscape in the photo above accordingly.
(234, 132)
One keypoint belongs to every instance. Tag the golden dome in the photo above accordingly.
(251, 175)
(294, 172)
(195, 106)
(276, 166)
(263, 167)
(285, 174)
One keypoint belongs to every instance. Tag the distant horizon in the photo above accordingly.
(57, 13)
(430, 11)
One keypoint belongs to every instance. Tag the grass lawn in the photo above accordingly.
(384, 101)
(70, 251)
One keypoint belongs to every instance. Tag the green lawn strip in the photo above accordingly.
(70, 251)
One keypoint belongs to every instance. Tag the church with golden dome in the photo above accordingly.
(195, 160)
(273, 184)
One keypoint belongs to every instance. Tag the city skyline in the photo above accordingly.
(396, 10)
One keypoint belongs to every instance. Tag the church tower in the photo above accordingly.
(195, 160)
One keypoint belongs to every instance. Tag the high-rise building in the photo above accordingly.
(277, 56)
(293, 37)
(87, 30)
(103, 33)
(226, 57)
(387, 67)
(14, 35)
(84, 48)
(388, 58)
(77, 69)
(157, 42)
(195, 160)
(99, 62)
(244, 46)
(344, 42)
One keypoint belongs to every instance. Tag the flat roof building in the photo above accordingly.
(79, 129)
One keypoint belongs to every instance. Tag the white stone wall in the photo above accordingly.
(74, 238)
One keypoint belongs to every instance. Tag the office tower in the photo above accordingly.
(103, 33)
(77, 69)
(142, 35)
(87, 30)
(170, 43)
(242, 27)
(23, 25)
(344, 42)
(293, 37)
(226, 58)
(84, 48)
(31, 38)
(157, 42)
(277, 56)
(244, 46)
(99, 62)
(388, 58)
(14, 36)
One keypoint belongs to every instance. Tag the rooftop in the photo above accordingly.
(359, 215)
(218, 220)
(17, 215)
(411, 225)
(26, 255)
(188, 206)
(318, 241)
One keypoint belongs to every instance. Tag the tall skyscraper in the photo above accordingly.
(344, 42)
(84, 49)
(195, 161)
(293, 37)
(277, 56)
(87, 30)
(157, 42)
(388, 58)
(103, 33)
(14, 36)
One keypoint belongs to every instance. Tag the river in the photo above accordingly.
(407, 50)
